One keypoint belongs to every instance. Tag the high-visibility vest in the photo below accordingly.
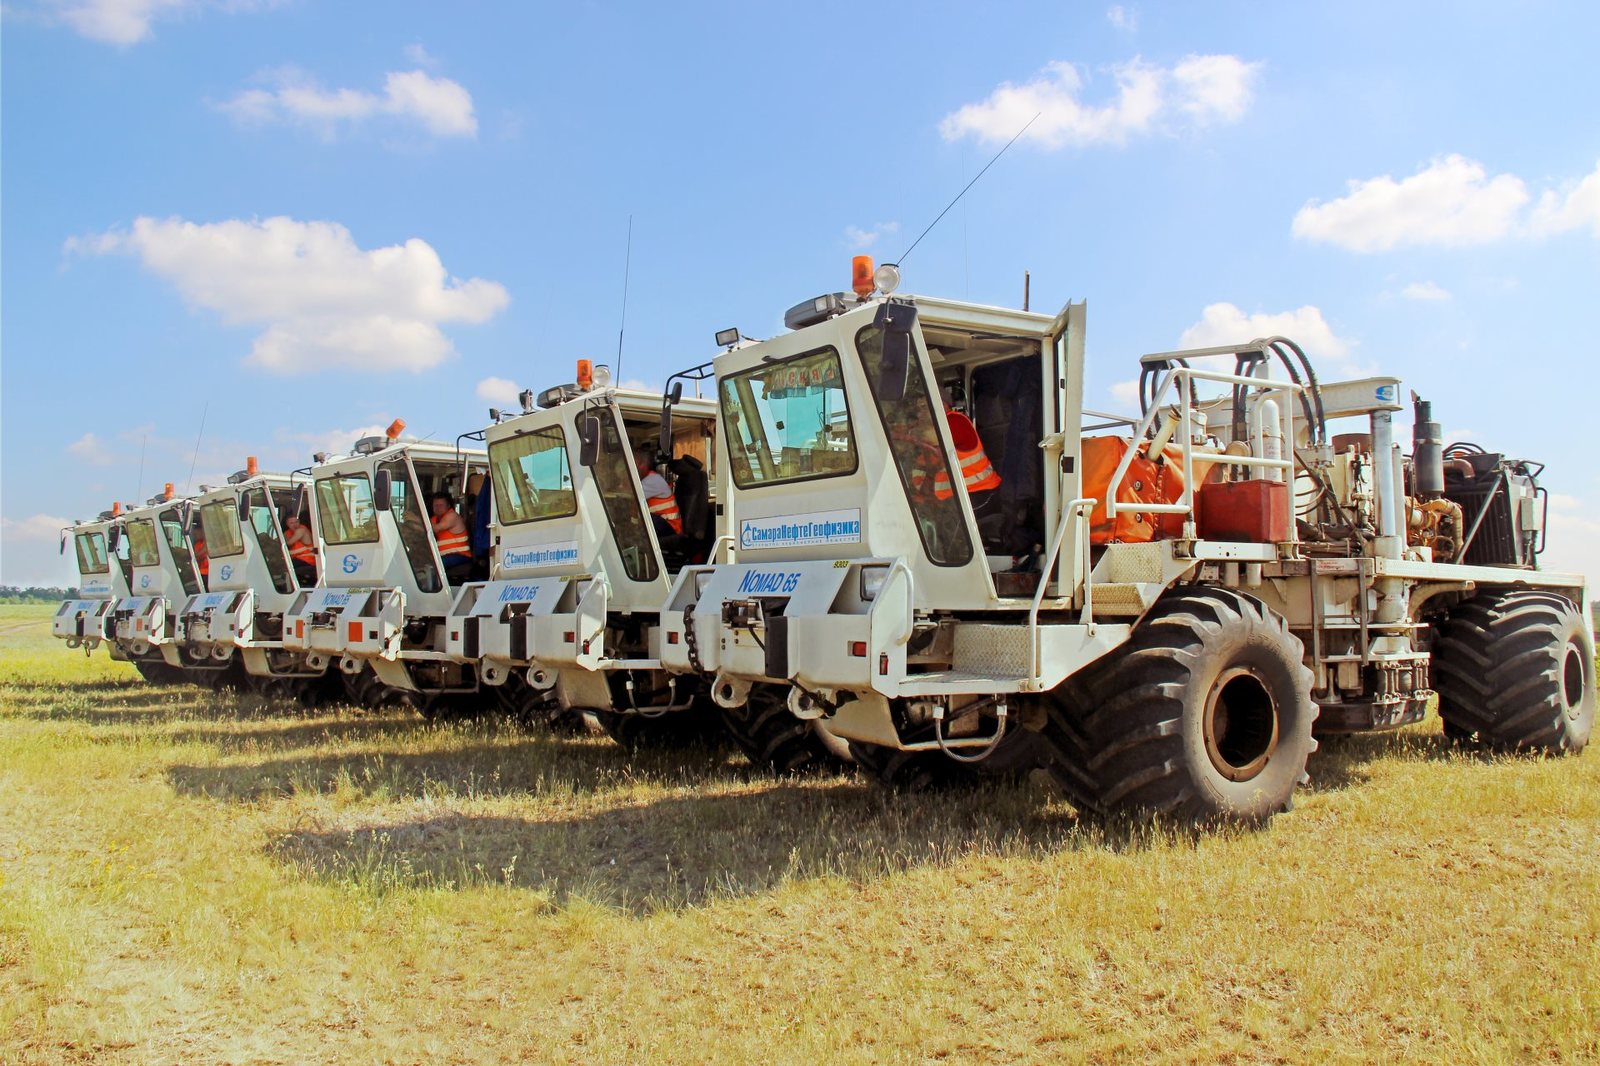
(451, 543)
(666, 509)
(301, 552)
(977, 473)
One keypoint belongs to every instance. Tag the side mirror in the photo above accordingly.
(63, 542)
(896, 321)
(298, 506)
(244, 508)
(382, 484)
(668, 402)
(113, 538)
(588, 440)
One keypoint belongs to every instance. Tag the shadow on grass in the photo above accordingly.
(457, 760)
(684, 850)
(1345, 760)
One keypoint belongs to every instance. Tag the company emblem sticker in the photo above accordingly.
(802, 530)
(351, 563)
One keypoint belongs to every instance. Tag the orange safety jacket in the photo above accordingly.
(666, 509)
(302, 552)
(451, 543)
(977, 473)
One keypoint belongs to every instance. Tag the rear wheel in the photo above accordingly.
(1203, 717)
(667, 729)
(1018, 753)
(772, 738)
(1515, 671)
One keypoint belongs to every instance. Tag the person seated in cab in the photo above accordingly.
(976, 471)
(658, 495)
(202, 562)
(302, 550)
(455, 548)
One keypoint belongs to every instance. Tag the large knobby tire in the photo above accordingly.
(157, 672)
(1515, 671)
(772, 738)
(1203, 717)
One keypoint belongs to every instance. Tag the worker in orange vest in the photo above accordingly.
(976, 471)
(658, 495)
(202, 562)
(302, 550)
(455, 547)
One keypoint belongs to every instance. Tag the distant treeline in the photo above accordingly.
(34, 594)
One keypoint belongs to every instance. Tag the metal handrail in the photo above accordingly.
(1184, 375)
(1071, 518)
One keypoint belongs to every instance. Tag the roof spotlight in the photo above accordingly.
(727, 338)
(887, 278)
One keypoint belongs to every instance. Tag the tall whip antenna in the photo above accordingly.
(627, 268)
(969, 185)
(138, 493)
(188, 486)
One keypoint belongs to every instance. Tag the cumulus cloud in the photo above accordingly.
(1450, 203)
(1123, 18)
(1224, 323)
(91, 449)
(1198, 91)
(324, 301)
(502, 392)
(1575, 207)
(1425, 290)
(122, 22)
(866, 238)
(301, 446)
(439, 105)
(34, 527)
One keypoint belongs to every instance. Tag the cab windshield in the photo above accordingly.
(142, 550)
(220, 520)
(344, 509)
(788, 421)
(531, 478)
(92, 553)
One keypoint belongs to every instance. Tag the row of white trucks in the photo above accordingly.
(894, 535)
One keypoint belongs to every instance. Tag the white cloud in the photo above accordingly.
(502, 392)
(1452, 202)
(1200, 89)
(324, 301)
(1224, 323)
(866, 238)
(439, 105)
(1576, 207)
(1123, 19)
(91, 449)
(301, 446)
(1425, 290)
(1574, 535)
(123, 22)
(34, 527)
(1125, 392)
(420, 56)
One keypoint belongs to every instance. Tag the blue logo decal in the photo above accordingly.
(519, 593)
(1386, 393)
(226, 572)
(144, 582)
(351, 564)
(771, 581)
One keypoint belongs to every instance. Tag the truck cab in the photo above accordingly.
(163, 574)
(380, 608)
(252, 582)
(896, 468)
(582, 558)
(103, 572)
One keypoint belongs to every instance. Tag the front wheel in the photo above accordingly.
(772, 738)
(1204, 716)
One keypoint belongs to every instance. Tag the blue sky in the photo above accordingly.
(300, 220)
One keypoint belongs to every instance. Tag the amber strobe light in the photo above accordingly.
(397, 427)
(251, 467)
(585, 375)
(861, 276)
(169, 490)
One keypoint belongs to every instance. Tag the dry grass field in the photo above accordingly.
(193, 878)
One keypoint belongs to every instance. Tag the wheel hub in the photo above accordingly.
(1572, 681)
(1241, 724)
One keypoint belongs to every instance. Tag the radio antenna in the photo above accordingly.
(627, 267)
(189, 485)
(969, 185)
